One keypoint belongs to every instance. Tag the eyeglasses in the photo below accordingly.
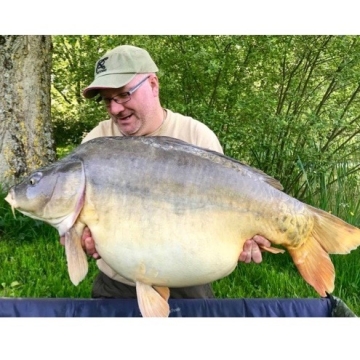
(122, 97)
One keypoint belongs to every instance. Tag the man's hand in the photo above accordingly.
(251, 250)
(87, 243)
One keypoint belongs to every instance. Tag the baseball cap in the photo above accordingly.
(118, 67)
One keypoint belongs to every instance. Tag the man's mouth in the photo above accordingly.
(124, 118)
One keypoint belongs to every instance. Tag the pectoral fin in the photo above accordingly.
(152, 302)
(75, 256)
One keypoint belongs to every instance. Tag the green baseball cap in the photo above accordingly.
(118, 67)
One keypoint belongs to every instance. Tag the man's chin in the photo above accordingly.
(128, 130)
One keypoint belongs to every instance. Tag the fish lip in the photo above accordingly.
(10, 198)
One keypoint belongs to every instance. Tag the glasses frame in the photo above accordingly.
(107, 100)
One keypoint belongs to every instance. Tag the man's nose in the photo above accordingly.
(114, 108)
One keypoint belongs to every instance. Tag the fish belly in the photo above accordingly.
(161, 247)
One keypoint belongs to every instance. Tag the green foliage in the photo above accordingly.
(336, 191)
(285, 104)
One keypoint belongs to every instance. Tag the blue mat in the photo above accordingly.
(54, 307)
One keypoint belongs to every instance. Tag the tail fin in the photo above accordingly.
(330, 235)
(315, 266)
(335, 235)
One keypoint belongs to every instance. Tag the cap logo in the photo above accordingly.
(100, 66)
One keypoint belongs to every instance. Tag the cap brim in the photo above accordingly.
(108, 81)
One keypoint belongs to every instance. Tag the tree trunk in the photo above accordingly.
(26, 139)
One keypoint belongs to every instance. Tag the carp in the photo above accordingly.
(164, 213)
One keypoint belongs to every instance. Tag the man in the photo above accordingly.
(126, 82)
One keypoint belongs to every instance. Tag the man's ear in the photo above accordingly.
(154, 83)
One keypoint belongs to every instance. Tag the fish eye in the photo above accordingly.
(35, 178)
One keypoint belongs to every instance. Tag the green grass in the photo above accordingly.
(277, 277)
(38, 269)
(33, 263)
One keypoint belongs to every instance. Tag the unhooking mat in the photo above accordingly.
(58, 307)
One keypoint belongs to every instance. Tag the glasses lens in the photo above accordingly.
(122, 97)
(119, 99)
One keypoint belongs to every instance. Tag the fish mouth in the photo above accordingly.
(11, 200)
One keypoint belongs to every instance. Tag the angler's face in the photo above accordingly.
(132, 113)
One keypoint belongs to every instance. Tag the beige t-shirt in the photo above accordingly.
(175, 125)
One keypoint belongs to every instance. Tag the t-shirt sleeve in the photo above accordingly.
(94, 133)
(207, 139)
(104, 128)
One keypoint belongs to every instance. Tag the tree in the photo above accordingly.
(26, 139)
